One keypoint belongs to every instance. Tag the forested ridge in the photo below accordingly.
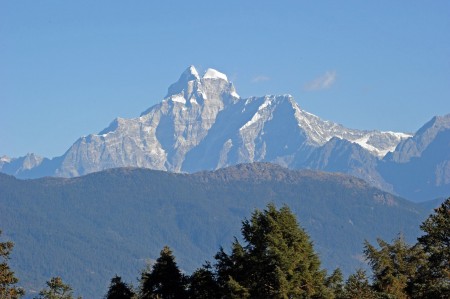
(90, 228)
(277, 260)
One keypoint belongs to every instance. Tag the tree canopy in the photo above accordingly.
(277, 260)
(165, 280)
(433, 279)
(119, 290)
(8, 280)
(418, 271)
(56, 289)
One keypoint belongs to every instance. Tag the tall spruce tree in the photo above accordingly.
(165, 280)
(357, 286)
(56, 289)
(394, 266)
(335, 283)
(203, 284)
(433, 279)
(8, 280)
(119, 290)
(277, 261)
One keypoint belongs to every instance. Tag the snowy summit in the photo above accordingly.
(214, 74)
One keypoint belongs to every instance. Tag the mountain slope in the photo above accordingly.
(419, 168)
(89, 228)
(339, 155)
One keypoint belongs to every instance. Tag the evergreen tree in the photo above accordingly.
(119, 289)
(7, 277)
(335, 283)
(394, 266)
(203, 284)
(230, 269)
(357, 286)
(165, 280)
(433, 279)
(278, 260)
(56, 289)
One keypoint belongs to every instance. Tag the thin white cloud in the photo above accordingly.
(323, 82)
(260, 78)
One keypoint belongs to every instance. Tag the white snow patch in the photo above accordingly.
(194, 72)
(178, 98)
(363, 143)
(213, 74)
(193, 101)
(202, 93)
(234, 94)
(266, 103)
(398, 134)
(254, 119)
(5, 159)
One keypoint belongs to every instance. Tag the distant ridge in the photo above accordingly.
(89, 228)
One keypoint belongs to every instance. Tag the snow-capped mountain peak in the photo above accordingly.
(193, 71)
(5, 159)
(212, 88)
(214, 74)
(189, 75)
(203, 124)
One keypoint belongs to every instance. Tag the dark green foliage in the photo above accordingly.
(165, 280)
(335, 283)
(357, 286)
(8, 280)
(119, 290)
(278, 260)
(203, 284)
(56, 289)
(420, 271)
(394, 266)
(433, 279)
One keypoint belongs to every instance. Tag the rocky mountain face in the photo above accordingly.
(162, 135)
(420, 166)
(17, 166)
(203, 124)
(340, 155)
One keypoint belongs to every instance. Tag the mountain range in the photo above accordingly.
(203, 124)
(88, 229)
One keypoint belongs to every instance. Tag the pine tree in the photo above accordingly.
(230, 269)
(433, 279)
(203, 284)
(7, 277)
(278, 260)
(56, 289)
(119, 289)
(335, 283)
(357, 286)
(394, 266)
(165, 280)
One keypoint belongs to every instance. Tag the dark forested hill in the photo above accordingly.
(89, 228)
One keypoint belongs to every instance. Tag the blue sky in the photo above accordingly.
(68, 68)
